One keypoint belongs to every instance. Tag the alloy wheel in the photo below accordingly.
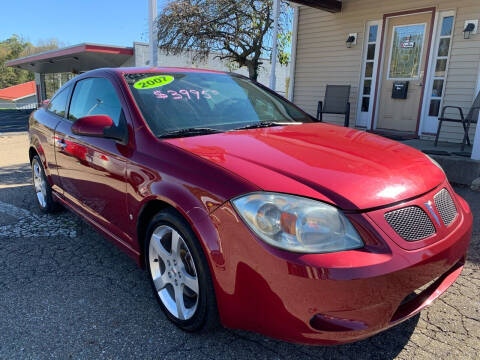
(173, 272)
(39, 184)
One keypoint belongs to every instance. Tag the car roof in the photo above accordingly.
(120, 71)
(147, 69)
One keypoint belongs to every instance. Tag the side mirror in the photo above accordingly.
(101, 126)
(94, 125)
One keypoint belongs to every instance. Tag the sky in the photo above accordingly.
(108, 22)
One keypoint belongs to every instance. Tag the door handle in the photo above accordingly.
(60, 143)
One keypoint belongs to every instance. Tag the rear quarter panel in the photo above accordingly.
(41, 130)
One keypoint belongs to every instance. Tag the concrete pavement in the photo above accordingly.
(66, 292)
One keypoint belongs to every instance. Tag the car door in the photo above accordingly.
(92, 170)
(42, 126)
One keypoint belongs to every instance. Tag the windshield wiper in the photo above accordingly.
(188, 132)
(265, 124)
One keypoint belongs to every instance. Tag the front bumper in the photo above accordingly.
(330, 298)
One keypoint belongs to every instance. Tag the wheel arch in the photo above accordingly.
(31, 153)
(197, 218)
(146, 213)
(38, 151)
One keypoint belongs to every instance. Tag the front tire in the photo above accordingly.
(43, 190)
(179, 273)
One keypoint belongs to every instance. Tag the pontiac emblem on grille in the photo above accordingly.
(429, 206)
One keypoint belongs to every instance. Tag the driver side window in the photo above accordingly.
(95, 96)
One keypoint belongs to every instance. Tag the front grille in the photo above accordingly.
(411, 223)
(445, 206)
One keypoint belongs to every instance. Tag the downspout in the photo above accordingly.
(293, 56)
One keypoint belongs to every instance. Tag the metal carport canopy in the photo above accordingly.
(75, 59)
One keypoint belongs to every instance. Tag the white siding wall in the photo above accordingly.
(6, 104)
(25, 103)
(323, 58)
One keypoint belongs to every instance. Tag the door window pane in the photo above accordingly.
(58, 104)
(95, 96)
(437, 88)
(367, 86)
(443, 47)
(365, 104)
(406, 52)
(369, 69)
(441, 67)
(434, 107)
(371, 52)
(372, 35)
(447, 26)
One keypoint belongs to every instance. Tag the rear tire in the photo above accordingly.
(42, 188)
(179, 273)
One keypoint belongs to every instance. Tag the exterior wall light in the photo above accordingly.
(351, 40)
(468, 30)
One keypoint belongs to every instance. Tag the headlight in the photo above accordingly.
(297, 224)
(435, 162)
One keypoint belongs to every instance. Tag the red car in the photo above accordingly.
(244, 209)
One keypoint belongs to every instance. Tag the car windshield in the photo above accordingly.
(196, 103)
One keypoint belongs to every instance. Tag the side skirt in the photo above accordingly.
(134, 254)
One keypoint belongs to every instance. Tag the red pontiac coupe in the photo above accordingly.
(245, 210)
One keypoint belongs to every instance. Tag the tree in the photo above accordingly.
(10, 49)
(13, 48)
(236, 30)
(42, 45)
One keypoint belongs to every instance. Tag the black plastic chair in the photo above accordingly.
(471, 118)
(336, 102)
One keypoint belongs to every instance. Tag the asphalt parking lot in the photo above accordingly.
(65, 292)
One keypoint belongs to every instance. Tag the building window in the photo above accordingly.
(406, 52)
(437, 89)
(372, 34)
(368, 70)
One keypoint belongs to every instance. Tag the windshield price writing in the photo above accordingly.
(187, 94)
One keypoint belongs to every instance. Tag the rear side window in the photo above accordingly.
(58, 104)
(95, 96)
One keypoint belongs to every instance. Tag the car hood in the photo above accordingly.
(353, 169)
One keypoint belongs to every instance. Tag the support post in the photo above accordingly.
(152, 15)
(276, 15)
(476, 142)
(40, 85)
(293, 56)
